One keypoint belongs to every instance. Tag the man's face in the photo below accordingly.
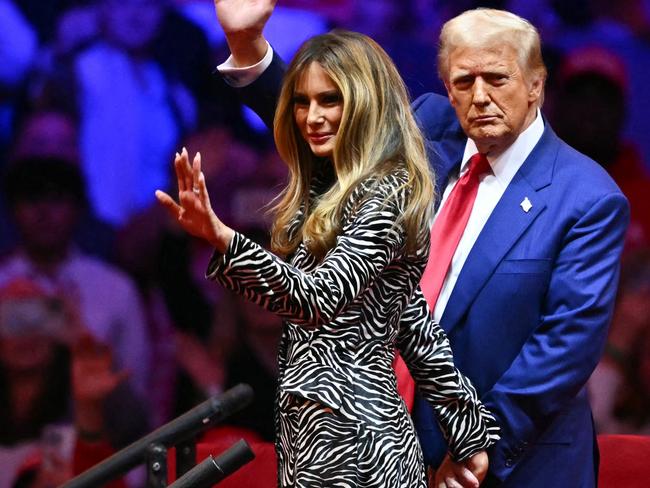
(494, 99)
(47, 225)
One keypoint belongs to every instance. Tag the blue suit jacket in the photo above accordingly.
(528, 316)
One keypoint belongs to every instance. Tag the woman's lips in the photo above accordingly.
(319, 138)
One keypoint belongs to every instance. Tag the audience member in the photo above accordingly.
(52, 132)
(608, 24)
(397, 27)
(53, 374)
(46, 197)
(130, 109)
(34, 371)
(620, 387)
(593, 88)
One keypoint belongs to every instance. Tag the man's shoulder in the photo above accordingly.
(578, 168)
(436, 116)
(572, 183)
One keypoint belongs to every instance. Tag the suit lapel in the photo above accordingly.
(506, 224)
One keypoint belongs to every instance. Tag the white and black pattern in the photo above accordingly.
(340, 421)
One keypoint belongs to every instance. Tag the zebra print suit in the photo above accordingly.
(339, 419)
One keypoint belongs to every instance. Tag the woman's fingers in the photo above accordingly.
(196, 170)
(185, 169)
(455, 474)
(198, 182)
(168, 202)
(188, 175)
(466, 477)
(179, 174)
(203, 192)
(452, 483)
(193, 207)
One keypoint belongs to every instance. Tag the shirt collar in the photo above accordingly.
(509, 161)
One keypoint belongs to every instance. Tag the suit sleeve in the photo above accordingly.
(262, 95)
(368, 242)
(466, 424)
(557, 359)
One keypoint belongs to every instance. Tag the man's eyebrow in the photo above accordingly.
(462, 75)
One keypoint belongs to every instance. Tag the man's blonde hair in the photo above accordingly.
(485, 27)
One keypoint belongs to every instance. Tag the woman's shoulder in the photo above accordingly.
(385, 184)
(395, 176)
(387, 190)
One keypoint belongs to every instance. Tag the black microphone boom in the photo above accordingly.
(186, 426)
(211, 470)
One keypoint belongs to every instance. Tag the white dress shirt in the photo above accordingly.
(490, 190)
(240, 77)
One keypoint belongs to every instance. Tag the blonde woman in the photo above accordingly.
(352, 229)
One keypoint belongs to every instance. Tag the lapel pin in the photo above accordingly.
(526, 205)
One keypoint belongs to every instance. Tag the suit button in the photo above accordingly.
(508, 463)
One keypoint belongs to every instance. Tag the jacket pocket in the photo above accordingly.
(318, 382)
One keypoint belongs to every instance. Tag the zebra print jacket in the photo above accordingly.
(346, 314)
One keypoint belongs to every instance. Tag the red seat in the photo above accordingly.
(624, 461)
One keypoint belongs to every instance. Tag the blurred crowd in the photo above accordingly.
(108, 328)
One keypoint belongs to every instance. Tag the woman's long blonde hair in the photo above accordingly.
(377, 133)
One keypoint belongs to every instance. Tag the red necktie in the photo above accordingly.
(449, 226)
(445, 236)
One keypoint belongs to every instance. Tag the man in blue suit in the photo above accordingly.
(529, 293)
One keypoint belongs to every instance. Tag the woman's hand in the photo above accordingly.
(243, 22)
(193, 210)
(467, 474)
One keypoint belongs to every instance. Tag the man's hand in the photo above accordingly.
(467, 474)
(243, 22)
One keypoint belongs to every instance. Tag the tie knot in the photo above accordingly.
(479, 165)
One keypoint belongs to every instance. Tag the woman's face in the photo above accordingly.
(317, 108)
(26, 353)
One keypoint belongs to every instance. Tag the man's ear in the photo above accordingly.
(536, 88)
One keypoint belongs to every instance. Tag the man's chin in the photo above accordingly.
(488, 141)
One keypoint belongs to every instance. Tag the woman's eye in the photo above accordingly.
(331, 99)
